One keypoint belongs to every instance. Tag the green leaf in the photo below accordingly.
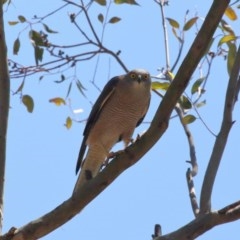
(189, 23)
(114, 20)
(188, 119)
(12, 23)
(16, 46)
(100, 18)
(200, 104)
(160, 85)
(226, 27)
(68, 123)
(80, 87)
(47, 29)
(21, 18)
(36, 38)
(132, 2)
(69, 89)
(230, 13)
(185, 103)
(231, 56)
(101, 2)
(38, 54)
(28, 102)
(63, 78)
(173, 23)
(196, 85)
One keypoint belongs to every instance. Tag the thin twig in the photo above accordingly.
(90, 24)
(165, 33)
(203, 122)
(193, 158)
(53, 12)
(181, 42)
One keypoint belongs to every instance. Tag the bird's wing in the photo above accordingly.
(141, 119)
(103, 98)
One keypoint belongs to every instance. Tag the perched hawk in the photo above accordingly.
(120, 108)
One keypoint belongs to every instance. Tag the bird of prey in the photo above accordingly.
(121, 106)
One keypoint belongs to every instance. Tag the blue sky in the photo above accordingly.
(42, 154)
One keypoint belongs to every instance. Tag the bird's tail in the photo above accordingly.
(91, 165)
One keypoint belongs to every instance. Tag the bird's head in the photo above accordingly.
(140, 76)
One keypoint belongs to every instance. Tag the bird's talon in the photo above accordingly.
(138, 137)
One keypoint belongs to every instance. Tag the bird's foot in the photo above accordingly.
(135, 140)
(114, 154)
(110, 156)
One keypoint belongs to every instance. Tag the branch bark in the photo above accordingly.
(133, 153)
(204, 223)
(4, 108)
(221, 140)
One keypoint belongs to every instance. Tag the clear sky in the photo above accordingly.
(42, 153)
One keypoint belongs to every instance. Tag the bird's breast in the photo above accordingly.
(119, 117)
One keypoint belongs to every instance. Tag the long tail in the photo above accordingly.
(91, 165)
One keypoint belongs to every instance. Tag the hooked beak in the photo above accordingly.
(139, 78)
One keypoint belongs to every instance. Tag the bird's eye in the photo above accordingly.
(145, 76)
(133, 75)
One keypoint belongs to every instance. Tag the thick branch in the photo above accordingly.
(221, 140)
(4, 107)
(133, 153)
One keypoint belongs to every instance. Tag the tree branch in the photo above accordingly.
(4, 108)
(204, 223)
(165, 33)
(134, 152)
(221, 140)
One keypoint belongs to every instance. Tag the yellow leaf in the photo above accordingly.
(68, 123)
(58, 101)
(226, 39)
(160, 85)
(170, 75)
(230, 13)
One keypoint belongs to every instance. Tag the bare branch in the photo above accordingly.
(193, 158)
(221, 140)
(193, 161)
(204, 223)
(157, 231)
(4, 107)
(165, 32)
(90, 24)
(192, 193)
